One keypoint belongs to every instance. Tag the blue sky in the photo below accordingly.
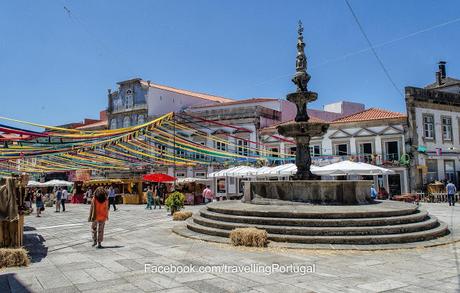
(56, 66)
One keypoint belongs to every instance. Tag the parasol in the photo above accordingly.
(159, 177)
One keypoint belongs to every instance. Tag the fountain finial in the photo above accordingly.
(301, 77)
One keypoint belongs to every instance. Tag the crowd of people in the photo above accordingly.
(100, 199)
(57, 196)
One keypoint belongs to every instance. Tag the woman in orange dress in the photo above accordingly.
(99, 213)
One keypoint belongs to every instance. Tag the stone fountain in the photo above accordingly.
(307, 210)
(305, 186)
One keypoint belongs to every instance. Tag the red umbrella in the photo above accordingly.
(159, 177)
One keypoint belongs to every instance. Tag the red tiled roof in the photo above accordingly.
(237, 102)
(370, 114)
(95, 124)
(188, 93)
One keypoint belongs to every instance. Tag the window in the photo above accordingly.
(161, 149)
(292, 150)
(200, 175)
(449, 169)
(200, 156)
(126, 121)
(428, 126)
(128, 101)
(446, 128)
(365, 148)
(315, 150)
(432, 170)
(341, 149)
(274, 152)
(180, 174)
(221, 146)
(180, 153)
(365, 152)
(242, 148)
(391, 151)
(141, 119)
(113, 123)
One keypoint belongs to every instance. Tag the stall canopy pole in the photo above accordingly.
(174, 143)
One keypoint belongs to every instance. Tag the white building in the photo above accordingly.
(372, 136)
(434, 130)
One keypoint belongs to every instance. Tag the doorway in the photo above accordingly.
(394, 184)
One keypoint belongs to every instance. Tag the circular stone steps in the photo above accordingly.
(417, 216)
(386, 222)
(324, 231)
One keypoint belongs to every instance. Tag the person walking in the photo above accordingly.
(156, 197)
(111, 193)
(149, 198)
(373, 192)
(58, 200)
(64, 197)
(208, 195)
(88, 195)
(451, 190)
(98, 215)
(39, 202)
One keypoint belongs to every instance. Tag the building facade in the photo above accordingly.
(434, 131)
(372, 136)
(136, 100)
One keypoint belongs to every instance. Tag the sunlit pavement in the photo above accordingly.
(64, 261)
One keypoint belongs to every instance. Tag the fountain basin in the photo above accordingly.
(331, 192)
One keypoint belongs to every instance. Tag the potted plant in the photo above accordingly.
(175, 201)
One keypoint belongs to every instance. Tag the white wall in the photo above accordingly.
(162, 101)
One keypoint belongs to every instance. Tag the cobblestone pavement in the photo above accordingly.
(64, 261)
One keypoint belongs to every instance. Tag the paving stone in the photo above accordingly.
(205, 287)
(135, 238)
(383, 285)
(79, 277)
(101, 274)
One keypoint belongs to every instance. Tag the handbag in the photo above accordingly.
(42, 208)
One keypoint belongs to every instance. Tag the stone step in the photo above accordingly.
(424, 235)
(310, 222)
(429, 223)
(377, 210)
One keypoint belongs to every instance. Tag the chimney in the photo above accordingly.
(442, 68)
(438, 78)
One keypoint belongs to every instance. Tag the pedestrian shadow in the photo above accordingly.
(35, 244)
(112, 246)
(10, 283)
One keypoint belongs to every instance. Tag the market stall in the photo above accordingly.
(192, 188)
(160, 178)
(128, 191)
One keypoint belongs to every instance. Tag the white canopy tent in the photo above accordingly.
(351, 168)
(56, 182)
(239, 171)
(33, 183)
(287, 170)
(192, 179)
(260, 172)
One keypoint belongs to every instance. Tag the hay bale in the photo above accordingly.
(249, 237)
(13, 257)
(182, 215)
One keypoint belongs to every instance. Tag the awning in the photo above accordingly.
(351, 168)
(56, 182)
(239, 171)
(192, 179)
